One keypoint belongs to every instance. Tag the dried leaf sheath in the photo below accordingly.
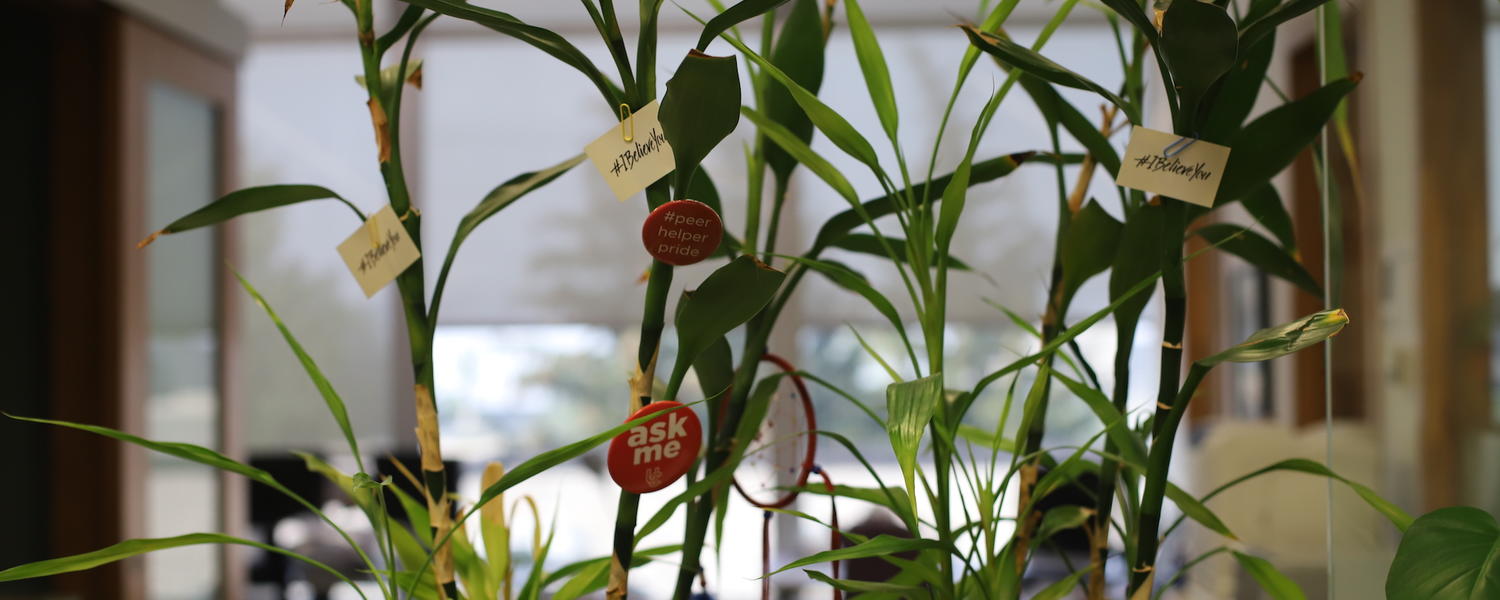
(433, 476)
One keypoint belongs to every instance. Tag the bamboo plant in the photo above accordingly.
(1211, 59)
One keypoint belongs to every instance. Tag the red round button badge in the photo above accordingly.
(682, 232)
(652, 455)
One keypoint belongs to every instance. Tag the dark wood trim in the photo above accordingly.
(1352, 357)
(1454, 243)
(85, 376)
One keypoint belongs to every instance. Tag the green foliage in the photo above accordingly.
(909, 408)
(1271, 580)
(729, 297)
(1448, 554)
(700, 109)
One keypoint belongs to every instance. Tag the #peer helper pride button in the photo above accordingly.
(682, 232)
(651, 456)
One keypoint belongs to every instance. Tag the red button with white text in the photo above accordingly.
(652, 455)
(682, 232)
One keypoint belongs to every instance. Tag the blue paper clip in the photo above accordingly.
(1176, 147)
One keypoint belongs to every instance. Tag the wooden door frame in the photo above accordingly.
(1454, 242)
(147, 56)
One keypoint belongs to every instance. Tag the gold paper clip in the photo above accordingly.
(372, 227)
(627, 130)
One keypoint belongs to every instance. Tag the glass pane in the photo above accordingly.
(183, 404)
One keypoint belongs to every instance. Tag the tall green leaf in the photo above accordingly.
(909, 407)
(325, 389)
(727, 298)
(853, 281)
(1254, 30)
(1199, 45)
(799, 53)
(701, 108)
(1398, 517)
(830, 122)
(1197, 511)
(543, 39)
(803, 154)
(866, 243)
(1056, 110)
(867, 589)
(1448, 554)
(880, 545)
(1261, 252)
(1270, 143)
(1139, 256)
(246, 201)
(1089, 246)
(1062, 587)
(1029, 61)
(872, 62)
(1237, 93)
(496, 200)
(129, 548)
(839, 225)
(1264, 204)
(734, 15)
(1279, 586)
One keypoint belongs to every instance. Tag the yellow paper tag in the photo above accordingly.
(1170, 165)
(629, 166)
(378, 251)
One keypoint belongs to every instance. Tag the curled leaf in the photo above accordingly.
(1274, 342)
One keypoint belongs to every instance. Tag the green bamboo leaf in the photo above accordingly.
(734, 15)
(408, 19)
(1199, 45)
(247, 201)
(986, 438)
(1270, 143)
(715, 368)
(909, 408)
(538, 37)
(197, 454)
(1056, 110)
(865, 243)
(1131, 448)
(874, 496)
(1284, 339)
(1029, 61)
(1197, 511)
(1260, 252)
(1062, 518)
(727, 298)
(1231, 105)
(1398, 517)
(1067, 335)
(1448, 554)
(1279, 586)
(1254, 30)
(827, 120)
(880, 545)
(1139, 256)
(799, 53)
(496, 200)
(1089, 247)
(801, 152)
(331, 398)
(872, 62)
(129, 548)
(853, 281)
(839, 225)
(588, 579)
(1131, 10)
(866, 588)
(1264, 204)
(1063, 587)
(700, 109)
